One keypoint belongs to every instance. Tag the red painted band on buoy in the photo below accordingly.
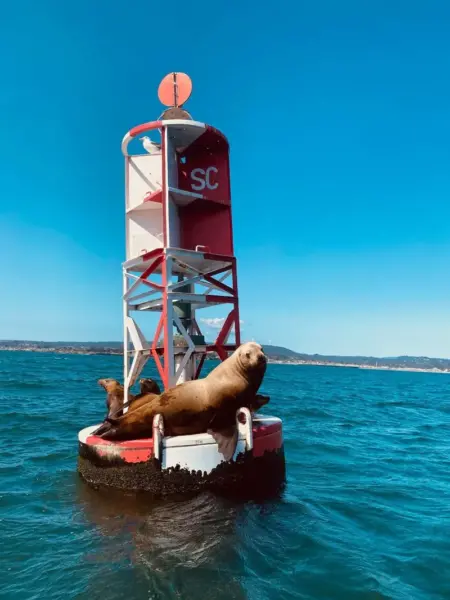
(265, 438)
(130, 451)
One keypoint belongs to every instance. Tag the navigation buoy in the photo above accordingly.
(180, 260)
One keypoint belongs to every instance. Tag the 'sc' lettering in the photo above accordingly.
(209, 185)
(195, 177)
(205, 181)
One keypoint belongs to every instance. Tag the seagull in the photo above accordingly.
(151, 147)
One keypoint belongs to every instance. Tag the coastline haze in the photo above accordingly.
(276, 354)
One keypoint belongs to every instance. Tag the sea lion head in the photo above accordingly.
(115, 393)
(110, 385)
(251, 357)
(149, 386)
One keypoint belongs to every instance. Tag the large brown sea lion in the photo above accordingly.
(208, 404)
(115, 395)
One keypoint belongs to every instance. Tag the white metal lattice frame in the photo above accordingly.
(141, 350)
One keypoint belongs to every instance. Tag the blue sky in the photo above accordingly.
(338, 115)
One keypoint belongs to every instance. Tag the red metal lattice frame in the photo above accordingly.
(220, 346)
(160, 261)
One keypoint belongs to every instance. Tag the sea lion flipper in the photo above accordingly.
(259, 401)
(109, 434)
(226, 441)
(102, 429)
(106, 427)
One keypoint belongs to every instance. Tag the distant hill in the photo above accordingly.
(405, 362)
(280, 351)
(275, 353)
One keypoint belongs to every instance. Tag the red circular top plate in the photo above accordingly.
(175, 89)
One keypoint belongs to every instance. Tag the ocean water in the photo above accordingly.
(365, 514)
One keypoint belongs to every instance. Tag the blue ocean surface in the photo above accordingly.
(365, 514)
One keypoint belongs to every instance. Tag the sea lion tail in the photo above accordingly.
(227, 440)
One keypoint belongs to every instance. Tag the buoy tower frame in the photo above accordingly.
(179, 244)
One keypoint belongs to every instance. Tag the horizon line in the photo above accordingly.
(3, 341)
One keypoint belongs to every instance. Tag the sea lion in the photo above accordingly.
(227, 438)
(115, 395)
(208, 404)
(149, 386)
(149, 390)
(259, 401)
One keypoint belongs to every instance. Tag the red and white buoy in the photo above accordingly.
(179, 260)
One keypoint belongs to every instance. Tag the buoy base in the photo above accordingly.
(193, 465)
(246, 477)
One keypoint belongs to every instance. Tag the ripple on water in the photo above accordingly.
(364, 516)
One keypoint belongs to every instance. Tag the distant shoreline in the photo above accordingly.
(51, 350)
(361, 367)
(107, 351)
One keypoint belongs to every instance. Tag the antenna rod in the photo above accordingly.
(175, 89)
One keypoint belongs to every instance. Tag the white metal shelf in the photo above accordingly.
(195, 300)
(200, 260)
(179, 197)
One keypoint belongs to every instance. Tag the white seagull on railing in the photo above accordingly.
(150, 146)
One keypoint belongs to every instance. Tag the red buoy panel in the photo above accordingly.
(203, 168)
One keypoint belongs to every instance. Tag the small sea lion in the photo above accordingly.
(115, 395)
(148, 386)
(208, 404)
(149, 390)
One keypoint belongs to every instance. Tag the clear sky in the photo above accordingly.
(338, 115)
